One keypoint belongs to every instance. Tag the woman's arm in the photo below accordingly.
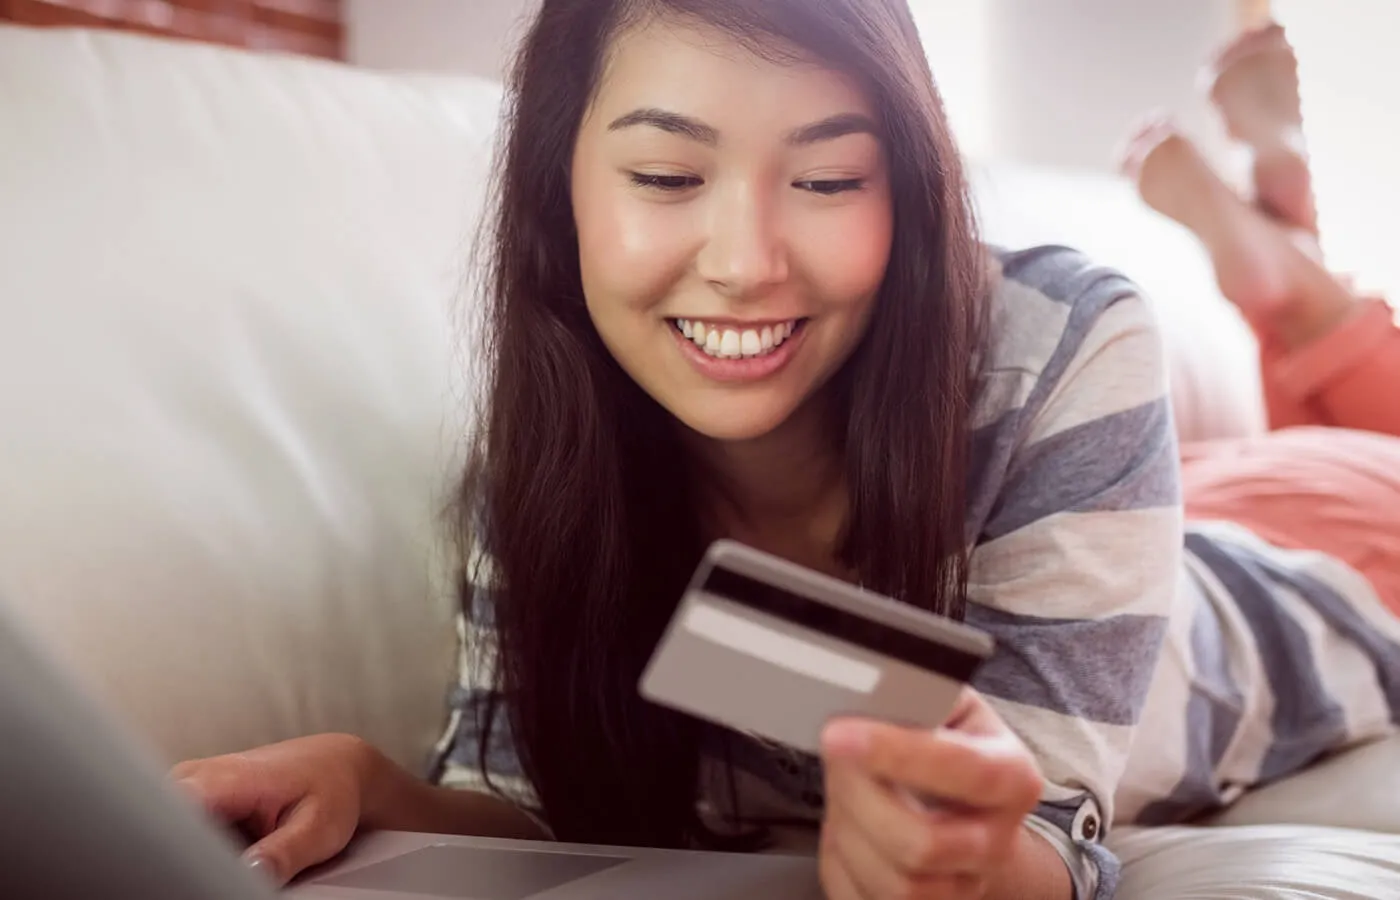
(397, 801)
(1074, 572)
(1076, 568)
(460, 797)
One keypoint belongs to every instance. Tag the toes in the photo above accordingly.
(1146, 137)
(1248, 43)
(1259, 57)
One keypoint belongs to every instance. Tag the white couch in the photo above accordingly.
(233, 383)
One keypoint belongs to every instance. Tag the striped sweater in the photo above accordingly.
(1153, 678)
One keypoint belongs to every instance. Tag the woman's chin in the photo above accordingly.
(734, 425)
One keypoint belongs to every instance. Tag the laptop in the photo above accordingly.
(85, 813)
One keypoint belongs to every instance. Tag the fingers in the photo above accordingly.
(223, 788)
(991, 772)
(855, 868)
(860, 805)
(972, 715)
(879, 843)
(298, 802)
(836, 878)
(910, 844)
(308, 836)
(862, 863)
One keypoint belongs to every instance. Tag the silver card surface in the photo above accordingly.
(773, 649)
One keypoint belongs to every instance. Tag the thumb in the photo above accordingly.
(306, 837)
(973, 716)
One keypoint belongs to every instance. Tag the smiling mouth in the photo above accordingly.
(726, 342)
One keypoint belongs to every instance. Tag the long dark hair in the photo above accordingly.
(579, 480)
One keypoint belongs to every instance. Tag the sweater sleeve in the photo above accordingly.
(1075, 569)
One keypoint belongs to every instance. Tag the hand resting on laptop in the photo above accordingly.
(301, 801)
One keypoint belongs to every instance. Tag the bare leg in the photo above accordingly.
(1328, 356)
(1267, 270)
(1253, 82)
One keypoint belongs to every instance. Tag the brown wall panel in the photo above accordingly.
(307, 27)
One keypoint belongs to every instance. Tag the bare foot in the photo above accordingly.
(1253, 82)
(1262, 267)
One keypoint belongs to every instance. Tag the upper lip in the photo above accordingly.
(739, 323)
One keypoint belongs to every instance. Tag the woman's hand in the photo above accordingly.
(878, 842)
(299, 801)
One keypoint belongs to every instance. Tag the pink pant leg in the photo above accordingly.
(1349, 378)
(1333, 490)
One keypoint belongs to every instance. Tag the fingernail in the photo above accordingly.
(260, 865)
(845, 737)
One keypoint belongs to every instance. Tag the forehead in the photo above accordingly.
(698, 70)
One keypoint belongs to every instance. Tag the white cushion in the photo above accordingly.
(229, 296)
(1258, 862)
(1332, 831)
(1213, 356)
(1356, 789)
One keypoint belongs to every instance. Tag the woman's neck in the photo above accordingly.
(784, 492)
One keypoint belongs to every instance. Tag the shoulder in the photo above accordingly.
(1072, 387)
(1064, 336)
(1057, 273)
(1045, 305)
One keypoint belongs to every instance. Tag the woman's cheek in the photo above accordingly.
(847, 258)
(632, 252)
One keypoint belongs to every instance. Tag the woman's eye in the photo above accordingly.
(665, 182)
(827, 188)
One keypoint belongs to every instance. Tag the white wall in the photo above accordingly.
(1043, 81)
(1350, 80)
(1068, 78)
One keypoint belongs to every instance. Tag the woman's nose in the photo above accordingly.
(745, 252)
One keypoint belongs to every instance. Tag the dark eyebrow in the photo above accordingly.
(832, 128)
(828, 129)
(672, 123)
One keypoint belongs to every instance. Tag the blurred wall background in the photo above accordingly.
(1037, 81)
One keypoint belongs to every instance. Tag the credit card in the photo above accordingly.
(776, 650)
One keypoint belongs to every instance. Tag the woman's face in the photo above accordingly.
(734, 223)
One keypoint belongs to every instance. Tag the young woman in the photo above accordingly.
(736, 291)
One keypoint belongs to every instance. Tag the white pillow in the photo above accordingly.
(1354, 789)
(1211, 351)
(229, 289)
(1259, 862)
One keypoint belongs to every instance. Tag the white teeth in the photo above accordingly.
(727, 343)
